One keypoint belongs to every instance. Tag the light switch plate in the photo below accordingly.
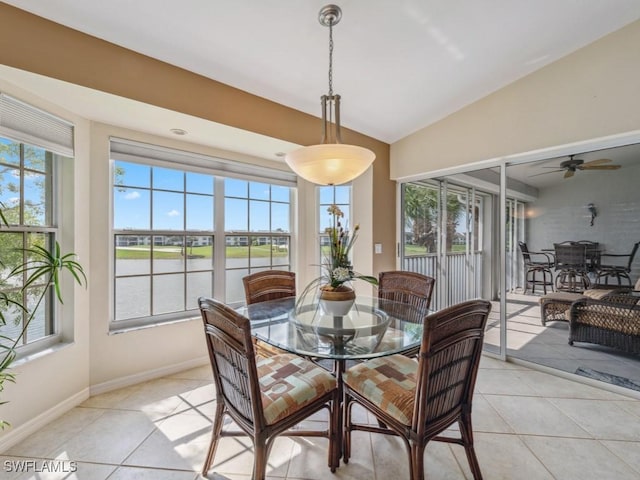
(377, 247)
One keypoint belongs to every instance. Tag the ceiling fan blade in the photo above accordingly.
(544, 173)
(596, 162)
(600, 167)
(569, 173)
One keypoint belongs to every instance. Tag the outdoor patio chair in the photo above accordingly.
(264, 396)
(269, 285)
(619, 272)
(420, 400)
(592, 253)
(538, 267)
(571, 267)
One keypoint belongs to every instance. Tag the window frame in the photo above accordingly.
(161, 318)
(53, 172)
(321, 236)
(249, 234)
(196, 163)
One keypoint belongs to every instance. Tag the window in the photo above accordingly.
(163, 239)
(331, 195)
(26, 193)
(170, 209)
(257, 231)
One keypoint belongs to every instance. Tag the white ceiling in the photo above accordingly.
(398, 65)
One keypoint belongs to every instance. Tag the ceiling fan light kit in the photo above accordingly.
(331, 162)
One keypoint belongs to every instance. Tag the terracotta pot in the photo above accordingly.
(337, 301)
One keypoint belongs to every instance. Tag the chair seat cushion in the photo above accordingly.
(388, 382)
(598, 293)
(288, 383)
(622, 320)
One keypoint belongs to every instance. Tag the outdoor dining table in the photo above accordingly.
(373, 328)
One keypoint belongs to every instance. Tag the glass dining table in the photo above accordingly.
(373, 328)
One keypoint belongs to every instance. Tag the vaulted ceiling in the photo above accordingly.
(399, 65)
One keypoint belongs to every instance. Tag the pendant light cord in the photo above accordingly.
(331, 58)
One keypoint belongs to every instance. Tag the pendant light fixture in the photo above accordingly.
(331, 162)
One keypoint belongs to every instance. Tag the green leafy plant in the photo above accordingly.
(337, 270)
(41, 267)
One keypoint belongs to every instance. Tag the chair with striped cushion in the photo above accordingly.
(419, 400)
(264, 396)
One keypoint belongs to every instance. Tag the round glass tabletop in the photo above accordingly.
(371, 328)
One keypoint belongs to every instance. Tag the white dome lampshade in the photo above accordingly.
(330, 163)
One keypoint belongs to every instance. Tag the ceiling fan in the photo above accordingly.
(569, 167)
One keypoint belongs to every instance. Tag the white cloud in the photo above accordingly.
(132, 196)
(173, 213)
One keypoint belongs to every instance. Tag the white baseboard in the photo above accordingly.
(16, 435)
(148, 375)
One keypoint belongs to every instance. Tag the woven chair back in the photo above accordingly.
(409, 288)
(269, 285)
(448, 363)
(571, 256)
(232, 358)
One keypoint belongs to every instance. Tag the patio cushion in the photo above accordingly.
(623, 320)
(598, 293)
(561, 297)
(388, 382)
(288, 383)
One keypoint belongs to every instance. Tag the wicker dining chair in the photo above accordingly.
(269, 285)
(410, 288)
(419, 400)
(264, 396)
(406, 288)
(264, 286)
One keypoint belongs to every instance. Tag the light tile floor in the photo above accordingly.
(528, 425)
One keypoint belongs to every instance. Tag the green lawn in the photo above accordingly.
(420, 250)
(143, 252)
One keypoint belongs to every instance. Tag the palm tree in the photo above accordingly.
(421, 214)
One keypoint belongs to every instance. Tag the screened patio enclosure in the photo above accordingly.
(463, 229)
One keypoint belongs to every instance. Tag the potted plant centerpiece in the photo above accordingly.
(335, 292)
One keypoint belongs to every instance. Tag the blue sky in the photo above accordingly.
(132, 201)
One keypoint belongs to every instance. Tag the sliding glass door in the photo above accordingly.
(442, 237)
(467, 230)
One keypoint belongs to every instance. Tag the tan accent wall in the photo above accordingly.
(31, 43)
(592, 93)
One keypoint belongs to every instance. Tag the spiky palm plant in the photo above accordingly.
(43, 267)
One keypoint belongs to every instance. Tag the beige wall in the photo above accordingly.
(62, 53)
(592, 93)
(91, 360)
(59, 377)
